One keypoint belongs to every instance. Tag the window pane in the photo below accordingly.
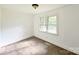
(52, 20)
(43, 28)
(43, 24)
(52, 29)
(52, 25)
(42, 21)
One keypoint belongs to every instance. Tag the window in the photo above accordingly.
(43, 24)
(48, 24)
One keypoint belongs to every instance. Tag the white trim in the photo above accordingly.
(47, 24)
(61, 45)
(15, 41)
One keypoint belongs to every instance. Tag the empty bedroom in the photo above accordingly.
(39, 29)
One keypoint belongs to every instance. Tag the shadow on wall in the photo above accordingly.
(10, 35)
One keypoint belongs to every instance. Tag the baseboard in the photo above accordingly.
(61, 46)
(55, 43)
(21, 39)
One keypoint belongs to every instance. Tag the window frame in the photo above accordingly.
(57, 23)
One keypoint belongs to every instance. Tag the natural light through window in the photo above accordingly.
(43, 24)
(48, 24)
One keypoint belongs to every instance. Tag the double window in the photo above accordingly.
(48, 24)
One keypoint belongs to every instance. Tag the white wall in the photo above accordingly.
(68, 36)
(0, 25)
(15, 26)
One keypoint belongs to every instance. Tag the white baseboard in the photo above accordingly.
(61, 45)
(17, 40)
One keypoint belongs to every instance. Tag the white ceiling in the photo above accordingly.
(27, 8)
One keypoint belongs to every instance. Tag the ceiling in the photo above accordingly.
(27, 8)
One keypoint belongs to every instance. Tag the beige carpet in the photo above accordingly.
(33, 46)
